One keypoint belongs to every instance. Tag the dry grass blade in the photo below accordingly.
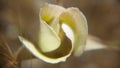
(7, 59)
(23, 54)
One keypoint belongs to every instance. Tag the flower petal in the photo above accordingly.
(48, 12)
(31, 47)
(48, 39)
(55, 25)
(77, 21)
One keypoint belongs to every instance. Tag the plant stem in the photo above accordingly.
(59, 2)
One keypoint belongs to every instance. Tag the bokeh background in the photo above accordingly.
(21, 17)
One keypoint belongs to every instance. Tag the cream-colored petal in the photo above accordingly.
(55, 25)
(48, 39)
(77, 21)
(49, 11)
(69, 32)
(31, 47)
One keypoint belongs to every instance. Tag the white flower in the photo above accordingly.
(62, 31)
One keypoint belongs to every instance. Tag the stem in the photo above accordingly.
(59, 2)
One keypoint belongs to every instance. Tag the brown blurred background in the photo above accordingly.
(21, 17)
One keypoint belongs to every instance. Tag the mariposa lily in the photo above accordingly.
(62, 31)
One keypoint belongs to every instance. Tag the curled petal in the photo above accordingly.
(77, 21)
(48, 39)
(31, 47)
(48, 12)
